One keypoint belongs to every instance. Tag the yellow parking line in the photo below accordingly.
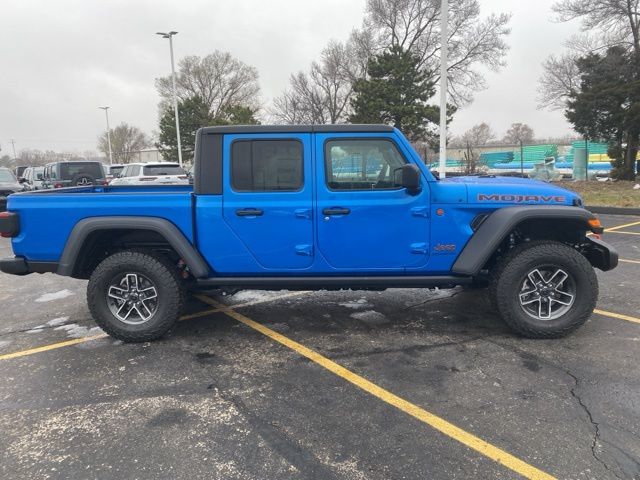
(488, 450)
(628, 261)
(76, 341)
(619, 316)
(617, 227)
(52, 346)
(620, 231)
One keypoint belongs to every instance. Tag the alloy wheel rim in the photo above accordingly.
(547, 293)
(132, 298)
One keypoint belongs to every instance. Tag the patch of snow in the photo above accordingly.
(250, 295)
(361, 303)
(57, 321)
(48, 297)
(37, 329)
(370, 317)
(74, 330)
(636, 186)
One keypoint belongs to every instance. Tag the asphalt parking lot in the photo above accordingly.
(401, 384)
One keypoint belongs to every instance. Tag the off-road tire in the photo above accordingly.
(509, 274)
(166, 278)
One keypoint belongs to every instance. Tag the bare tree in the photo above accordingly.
(126, 140)
(221, 80)
(477, 136)
(605, 24)
(617, 21)
(414, 25)
(519, 133)
(322, 95)
(558, 82)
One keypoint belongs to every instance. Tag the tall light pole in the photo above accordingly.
(175, 93)
(13, 144)
(106, 112)
(444, 24)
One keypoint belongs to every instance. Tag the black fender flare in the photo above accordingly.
(81, 231)
(495, 228)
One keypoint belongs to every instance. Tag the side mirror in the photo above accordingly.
(411, 179)
(22, 180)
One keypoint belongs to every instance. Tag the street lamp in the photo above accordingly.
(106, 112)
(175, 93)
(444, 24)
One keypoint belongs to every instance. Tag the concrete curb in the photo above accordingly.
(613, 210)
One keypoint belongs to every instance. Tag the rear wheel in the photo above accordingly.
(544, 289)
(135, 296)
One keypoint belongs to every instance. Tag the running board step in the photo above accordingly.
(319, 283)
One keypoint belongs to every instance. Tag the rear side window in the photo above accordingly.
(363, 164)
(134, 170)
(266, 165)
(70, 170)
(6, 176)
(163, 170)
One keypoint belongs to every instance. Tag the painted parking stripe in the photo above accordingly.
(617, 227)
(488, 450)
(76, 341)
(619, 316)
(52, 346)
(623, 232)
(629, 261)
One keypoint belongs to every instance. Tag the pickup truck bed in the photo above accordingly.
(54, 213)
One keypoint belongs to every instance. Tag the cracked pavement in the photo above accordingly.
(217, 400)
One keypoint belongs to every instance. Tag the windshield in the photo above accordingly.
(163, 170)
(115, 170)
(7, 176)
(70, 170)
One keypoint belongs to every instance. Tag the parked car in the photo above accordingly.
(113, 171)
(18, 171)
(32, 178)
(163, 173)
(8, 184)
(71, 174)
(313, 207)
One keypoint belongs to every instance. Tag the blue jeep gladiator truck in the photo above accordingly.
(313, 207)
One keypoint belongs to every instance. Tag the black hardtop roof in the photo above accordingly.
(297, 129)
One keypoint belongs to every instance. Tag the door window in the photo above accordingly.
(363, 164)
(266, 166)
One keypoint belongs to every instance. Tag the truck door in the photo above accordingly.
(366, 220)
(268, 195)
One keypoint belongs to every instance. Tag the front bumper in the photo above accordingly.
(600, 254)
(20, 266)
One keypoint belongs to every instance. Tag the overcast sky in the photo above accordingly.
(60, 60)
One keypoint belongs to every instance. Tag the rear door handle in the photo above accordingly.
(336, 211)
(249, 212)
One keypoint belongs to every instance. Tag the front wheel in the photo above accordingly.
(135, 296)
(544, 289)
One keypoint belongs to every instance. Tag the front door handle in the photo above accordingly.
(336, 211)
(249, 212)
